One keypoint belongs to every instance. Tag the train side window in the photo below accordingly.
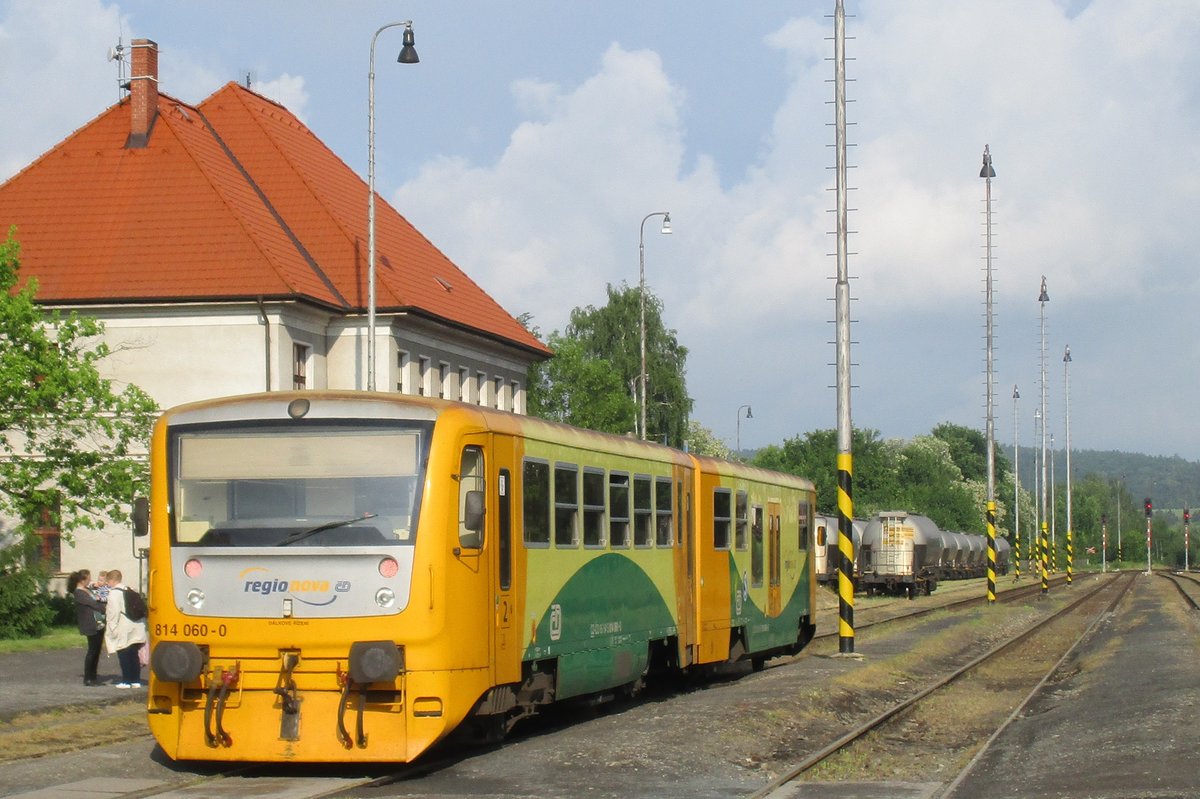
(593, 507)
(820, 536)
(535, 503)
(471, 493)
(662, 511)
(756, 547)
(805, 525)
(643, 511)
(618, 510)
(566, 505)
(741, 521)
(722, 517)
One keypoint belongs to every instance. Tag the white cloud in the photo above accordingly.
(288, 91)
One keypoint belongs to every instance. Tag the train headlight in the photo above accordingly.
(176, 661)
(195, 598)
(385, 597)
(375, 661)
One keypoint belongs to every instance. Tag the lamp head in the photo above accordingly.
(749, 413)
(408, 52)
(666, 228)
(987, 171)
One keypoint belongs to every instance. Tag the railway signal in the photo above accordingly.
(1187, 517)
(1149, 519)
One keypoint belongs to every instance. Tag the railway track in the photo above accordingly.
(1095, 605)
(1188, 586)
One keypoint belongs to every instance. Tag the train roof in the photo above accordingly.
(383, 405)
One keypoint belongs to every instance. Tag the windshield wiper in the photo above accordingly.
(320, 528)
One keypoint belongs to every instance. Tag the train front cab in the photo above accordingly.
(318, 646)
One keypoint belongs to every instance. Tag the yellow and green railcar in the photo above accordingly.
(339, 576)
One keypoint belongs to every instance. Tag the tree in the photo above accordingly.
(875, 478)
(702, 441)
(592, 381)
(71, 443)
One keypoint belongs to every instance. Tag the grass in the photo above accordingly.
(56, 638)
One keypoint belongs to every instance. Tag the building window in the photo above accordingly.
(300, 356)
(464, 385)
(483, 386)
(403, 382)
(516, 402)
(445, 390)
(498, 393)
(48, 537)
(426, 378)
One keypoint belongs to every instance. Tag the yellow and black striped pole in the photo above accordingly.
(845, 554)
(1017, 555)
(1070, 554)
(1044, 546)
(991, 553)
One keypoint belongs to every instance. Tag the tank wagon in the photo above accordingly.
(351, 576)
(826, 547)
(908, 553)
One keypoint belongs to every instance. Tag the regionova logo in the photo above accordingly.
(315, 591)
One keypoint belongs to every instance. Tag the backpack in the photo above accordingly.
(135, 605)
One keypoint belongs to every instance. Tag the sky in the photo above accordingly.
(533, 139)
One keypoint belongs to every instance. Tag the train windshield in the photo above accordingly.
(333, 485)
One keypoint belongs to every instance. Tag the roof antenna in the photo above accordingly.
(119, 55)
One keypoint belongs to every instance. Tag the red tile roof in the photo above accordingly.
(231, 199)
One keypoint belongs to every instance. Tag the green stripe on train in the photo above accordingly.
(601, 636)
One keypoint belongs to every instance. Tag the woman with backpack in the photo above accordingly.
(89, 616)
(122, 635)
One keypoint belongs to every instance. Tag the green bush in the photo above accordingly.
(62, 609)
(25, 610)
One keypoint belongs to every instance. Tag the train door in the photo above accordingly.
(684, 566)
(774, 525)
(507, 660)
(469, 580)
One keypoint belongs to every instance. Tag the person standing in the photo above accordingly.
(122, 635)
(91, 619)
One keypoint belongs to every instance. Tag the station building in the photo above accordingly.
(224, 247)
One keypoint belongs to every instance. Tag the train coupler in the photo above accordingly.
(289, 699)
(214, 707)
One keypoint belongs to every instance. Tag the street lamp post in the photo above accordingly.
(738, 440)
(1016, 482)
(666, 230)
(1043, 298)
(987, 173)
(408, 55)
(1067, 402)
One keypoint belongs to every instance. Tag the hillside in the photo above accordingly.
(1170, 482)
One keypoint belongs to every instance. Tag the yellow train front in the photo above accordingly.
(340, 576)
(284, 566)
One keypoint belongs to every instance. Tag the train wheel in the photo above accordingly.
(758, 663)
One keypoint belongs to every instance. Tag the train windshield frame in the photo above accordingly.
(287, 484)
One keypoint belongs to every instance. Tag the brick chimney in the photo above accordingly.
(143, 89)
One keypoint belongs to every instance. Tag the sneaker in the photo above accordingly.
(123, 685)
(135, 685)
